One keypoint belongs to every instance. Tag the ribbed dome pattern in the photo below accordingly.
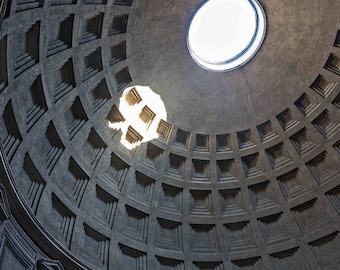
(260, 192)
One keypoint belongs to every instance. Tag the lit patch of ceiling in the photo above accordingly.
(141, 111)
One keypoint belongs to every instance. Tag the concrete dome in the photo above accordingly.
(244, 173)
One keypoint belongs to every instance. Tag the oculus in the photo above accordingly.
(226, 34)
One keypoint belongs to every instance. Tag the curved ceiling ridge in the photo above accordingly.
(244, 172)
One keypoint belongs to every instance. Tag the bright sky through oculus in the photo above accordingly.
(225, 34)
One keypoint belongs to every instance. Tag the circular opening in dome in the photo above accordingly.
(226, 34)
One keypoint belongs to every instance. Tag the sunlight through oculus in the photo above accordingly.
(138, 115)
(226, 34)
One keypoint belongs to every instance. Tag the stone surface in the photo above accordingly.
(245, 173)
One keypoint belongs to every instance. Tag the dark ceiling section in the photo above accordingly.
(244, 175)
